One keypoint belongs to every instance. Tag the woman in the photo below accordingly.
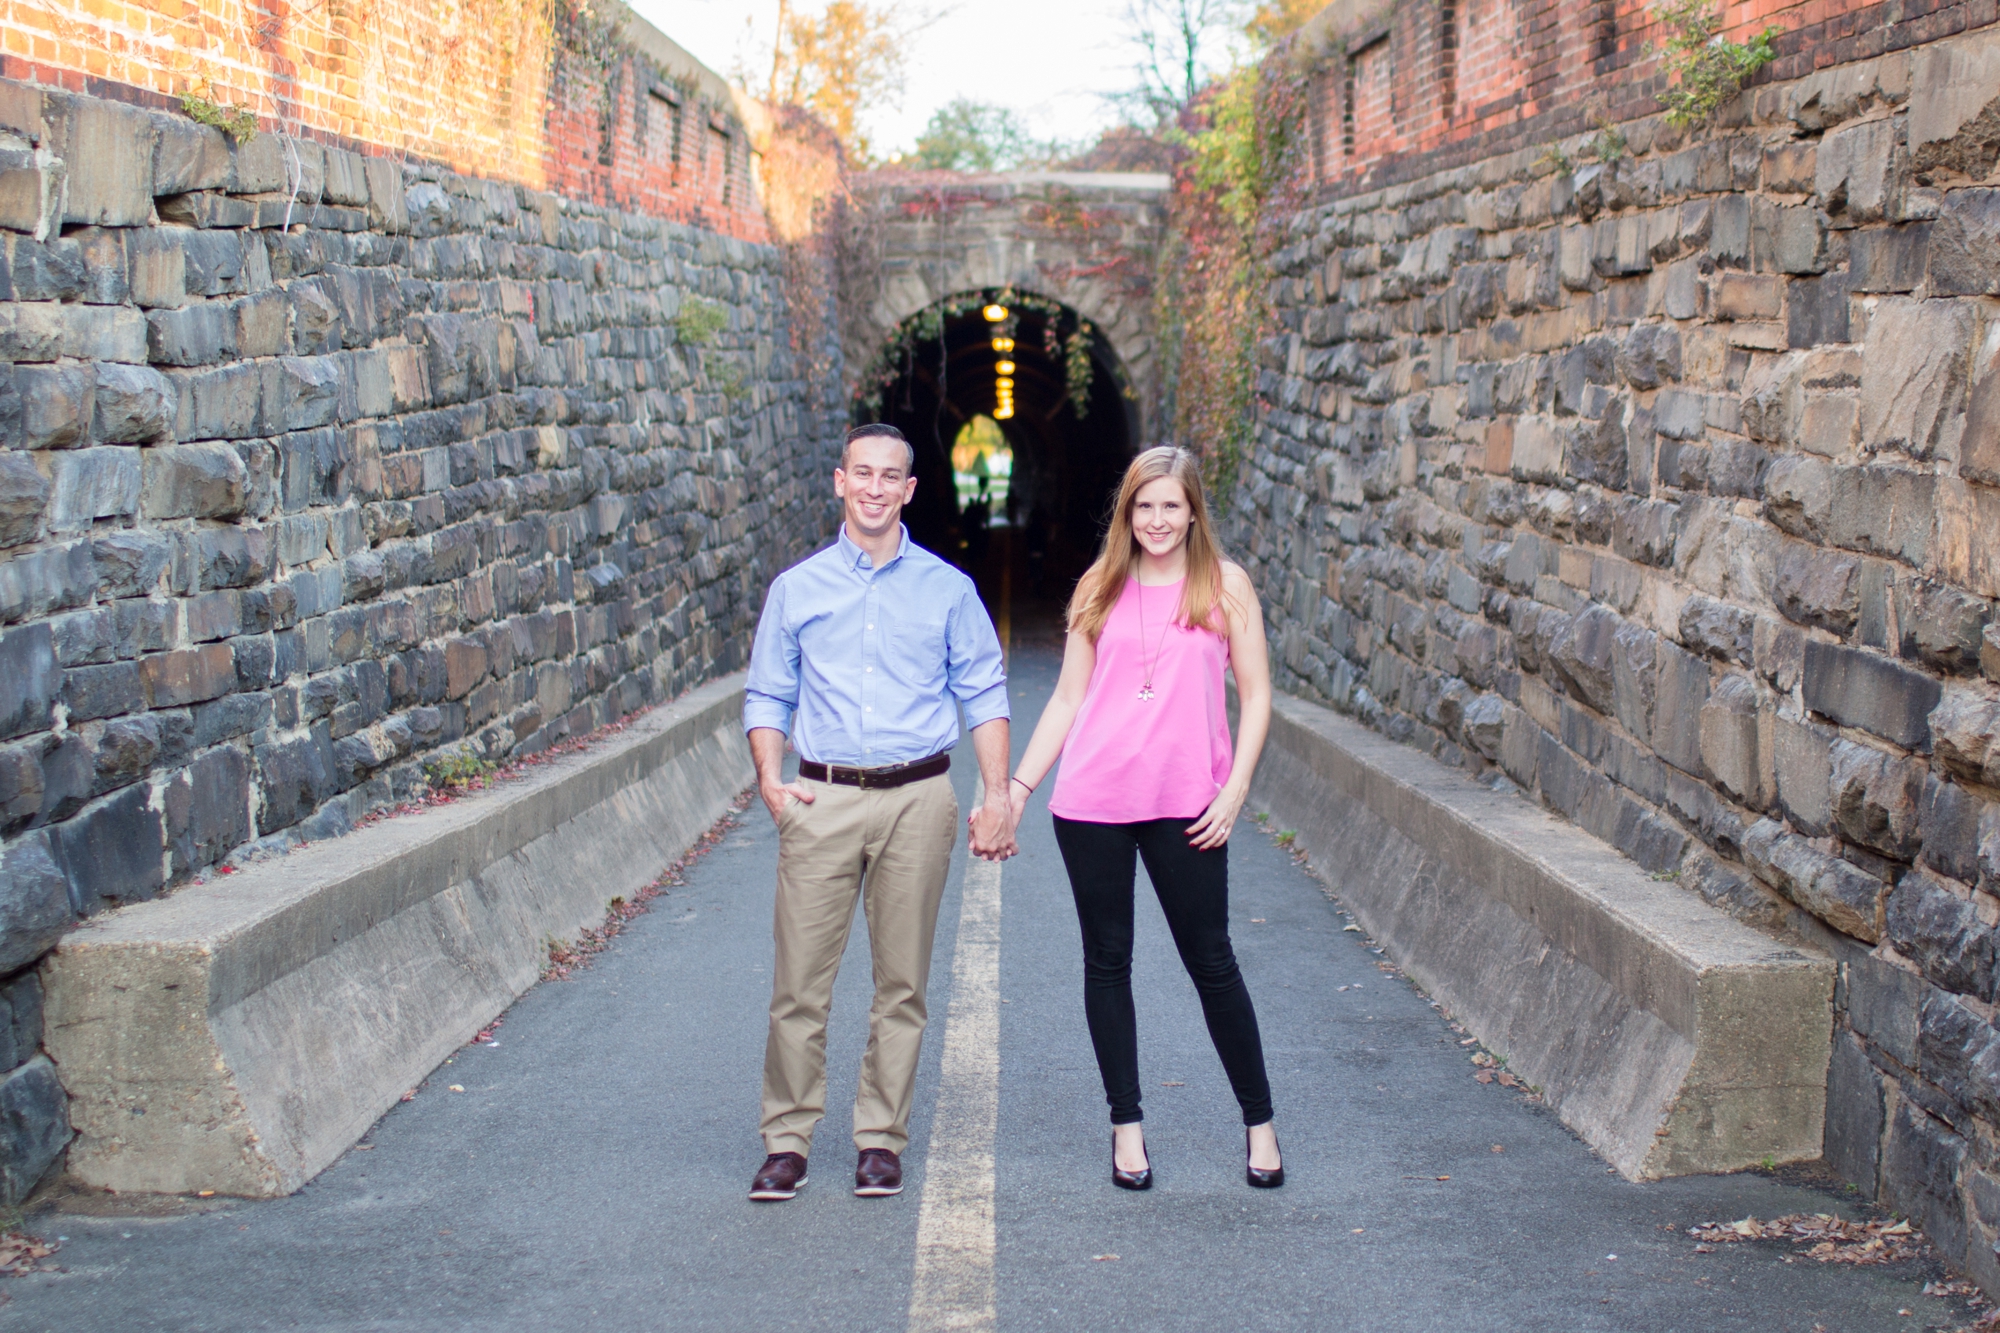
(1140, 721)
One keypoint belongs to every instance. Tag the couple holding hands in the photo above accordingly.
(864, 655)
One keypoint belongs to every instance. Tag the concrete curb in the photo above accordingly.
(238, 1036)
(1671, 1037)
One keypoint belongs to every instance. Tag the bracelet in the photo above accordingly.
(1017, 778)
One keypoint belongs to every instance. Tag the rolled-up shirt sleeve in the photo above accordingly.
(771, 693)
(975, 671)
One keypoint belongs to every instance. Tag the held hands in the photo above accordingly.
(1017, 804)
(993, 829)
(1212, 829)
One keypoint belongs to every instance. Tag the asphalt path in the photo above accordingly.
(592, 1173)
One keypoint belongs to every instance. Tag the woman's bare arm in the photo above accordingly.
(1250, 659)
(1045, 746)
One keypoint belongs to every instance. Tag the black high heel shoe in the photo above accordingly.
(1260, 1179)
(1142, 1179)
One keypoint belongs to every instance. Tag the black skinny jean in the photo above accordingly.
(1193, 887)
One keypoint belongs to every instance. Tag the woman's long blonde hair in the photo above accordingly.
(1104, 582)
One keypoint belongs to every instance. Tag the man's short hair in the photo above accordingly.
(882, 430)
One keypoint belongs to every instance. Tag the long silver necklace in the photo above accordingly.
(1146, 688)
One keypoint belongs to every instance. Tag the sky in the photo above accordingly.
(1048, 60)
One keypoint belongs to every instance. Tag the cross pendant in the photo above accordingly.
(1145, 693)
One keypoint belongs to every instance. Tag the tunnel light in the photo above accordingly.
(1004, 367)
(1003, 344)
(995, 313)
(1005, 382)
(1003, 412)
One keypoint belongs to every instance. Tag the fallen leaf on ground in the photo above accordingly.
(457, 1088)
(1173, 1083)
(1355, 929)
(1498, 1148)
(1483, 1076)
(21, 1254)
(1822, 1236)
(1103, 1258)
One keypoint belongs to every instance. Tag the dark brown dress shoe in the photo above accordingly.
(782, 1176)
(879, 1172)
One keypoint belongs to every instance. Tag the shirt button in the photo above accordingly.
(871, 627)
(869, 709)
(867, 668)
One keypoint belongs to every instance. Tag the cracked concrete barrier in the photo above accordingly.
(239, 1035)
(1673, 1038)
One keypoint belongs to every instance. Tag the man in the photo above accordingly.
(864, 653)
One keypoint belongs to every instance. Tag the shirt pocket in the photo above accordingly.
(920, 644)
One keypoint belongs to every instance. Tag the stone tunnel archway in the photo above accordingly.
(1059, 392)
(1073, 251)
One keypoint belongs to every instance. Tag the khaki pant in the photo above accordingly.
(897, 843)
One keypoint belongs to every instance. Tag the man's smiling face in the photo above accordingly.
(874, 485)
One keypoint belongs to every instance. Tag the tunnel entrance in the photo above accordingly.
(1022, 421)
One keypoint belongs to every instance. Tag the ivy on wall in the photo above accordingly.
(1244, 171)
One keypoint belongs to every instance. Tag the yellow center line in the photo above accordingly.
(952, 1285)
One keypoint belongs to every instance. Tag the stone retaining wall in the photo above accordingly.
(1667, 488)
(319, 468)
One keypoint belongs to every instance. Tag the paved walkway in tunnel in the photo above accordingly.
(592, 1173)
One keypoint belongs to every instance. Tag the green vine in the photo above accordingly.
(1708, 69)
(1212, 303)
(1077, 370)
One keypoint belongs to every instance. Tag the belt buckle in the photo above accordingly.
(861, 779)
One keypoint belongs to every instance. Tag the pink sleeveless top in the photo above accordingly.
(1129, 759)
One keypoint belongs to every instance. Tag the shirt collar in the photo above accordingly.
(857, 559)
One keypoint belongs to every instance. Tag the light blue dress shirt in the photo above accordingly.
(864, 666)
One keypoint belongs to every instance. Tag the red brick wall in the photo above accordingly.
(478, 85)
(1520, 72)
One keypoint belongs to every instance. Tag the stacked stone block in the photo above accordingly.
(320, 468)
(1666, 490)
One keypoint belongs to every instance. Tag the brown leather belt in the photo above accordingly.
(893, 775)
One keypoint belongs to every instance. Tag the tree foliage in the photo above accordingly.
(840, 63)
(1178, 44)
(965, 135)
(1271, 21)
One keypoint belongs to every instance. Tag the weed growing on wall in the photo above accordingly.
(239, 123)
(1708, 69)
(460, 771)
(699, 322)
(1213, 307)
